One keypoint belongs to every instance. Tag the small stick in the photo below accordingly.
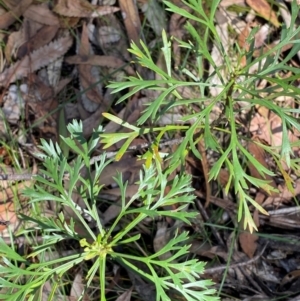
(206, 218)
(16, 177)
(236, 265)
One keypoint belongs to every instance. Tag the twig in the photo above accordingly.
(236, 265)
(206, 218)
(16, 177)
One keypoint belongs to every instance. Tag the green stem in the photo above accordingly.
(102, 265)
(120, 235)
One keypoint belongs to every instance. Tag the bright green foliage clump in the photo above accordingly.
(26, 281)
(240, 85)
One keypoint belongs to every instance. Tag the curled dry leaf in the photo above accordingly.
(36, 60)
(15, 40)
(82, 8)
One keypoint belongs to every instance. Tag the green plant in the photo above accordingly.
(238, 85)
(24, 278)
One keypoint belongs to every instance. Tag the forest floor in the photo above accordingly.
(57, 59)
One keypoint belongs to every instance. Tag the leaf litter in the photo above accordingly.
(62, 57)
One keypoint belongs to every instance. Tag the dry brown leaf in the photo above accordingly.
(263, 8)
(162, 237)
(68, 22)
(8, 216)
(43, 94)
(126, 296)
(10, 3)
(93, 121)
(77, 286)
(61, 85)
(16, 11)
(130, 168)
(248, 242)
(223, 177)
(82, 8)
(41, 14)
(100, 60)
(259, 52)
(261, 36)
(30, 28)
(269, 128)
(92, 95)
(131, 190)
(201, 247)
(55, 68)
(15, 40)
(242, 41)
(284, 196)
(131, 20)
(40, 39)
(114, 209)
(242, 38)
(36, 60)
(76, 290)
